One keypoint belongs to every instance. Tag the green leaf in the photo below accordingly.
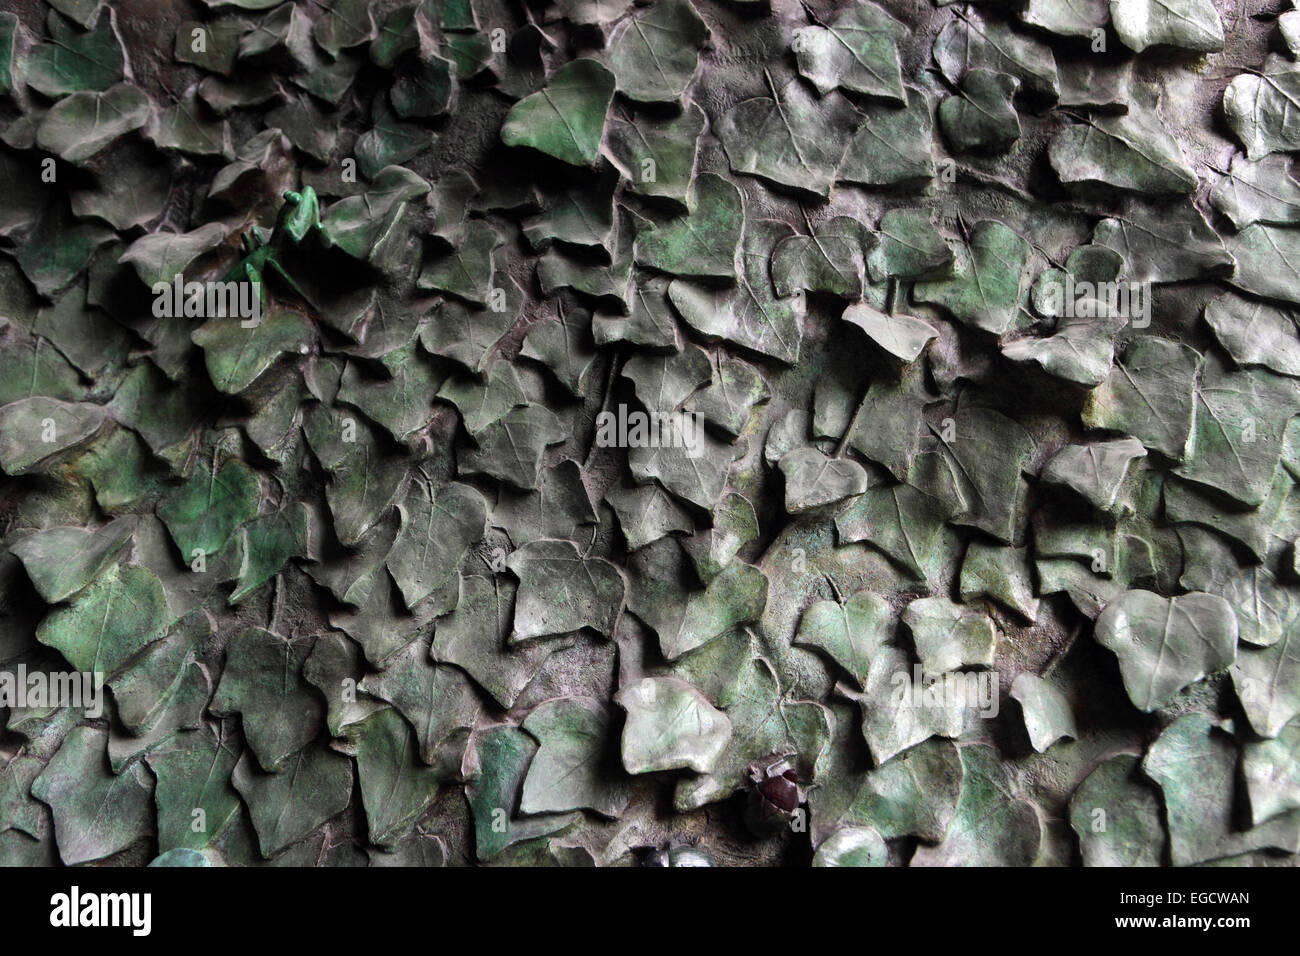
(438, 529)
(892, 148)
(396, 789)
(160, 257)
(1095, 471)
(1165, 644)
(850, 633)
(657, 156)
(751, 315)
(1068, 18)
(969, 41)
(566, 119)
(654, 55)
(852, 846)
(81, 125)
(986, 287)
(1258, 106)
(1262, 191)
(314, 785)
(896, 713)
(1169, 242)
(647, 513)
(562, 591)
(909, 247)
(857, 52)
(793, 140)
(1001, 574)
(949, 637)
(204, 512)
(1265, 257)
(1267, 682)
(813, 480)
(34, 430)
(565, 347)
(829, 260)
(571, 769)
(263, 683)
(511, 449)
(670, 725)
(119, 614)
(1116, 815)
(1046, 711)
(1187, 24)
(1132, 151)
(193, 773)
(74, 61)
(474, 638)
(1255, 334)
(505, 754)
(982, 118)
(96, 813)
(989, 452)
(1194, 763)
(735, 525)
(1150, 394)
(993, 825)
(702, 242)
(63, 561)
(1272, 774)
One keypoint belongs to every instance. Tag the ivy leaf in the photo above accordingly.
(1258, 106)
(1264, 256)
(74, 61)
(314, 785)
(357, 224)
(237, 355)
(761, 723)
(1267, 682)
(580, 215)
(565, 119)
(1272, 776)
(734, 597)
(988, 453)
(812, 480)
(1116, 795)
(896, 714)
(1046, 711)
(263, 683)
(892, 148)
(697, 476)
(468, 335)
(505, 753)
(438, 529)
(751, 316)
(511, 449)
(852, 846)
(647, 513)
(949, 637)
(1187, 24)
(1194, 763)
(735, 525)
(657, 156)
(1255, 334)
(557, 509)
(987, 284)
(663, 383)
(1095, 471)
(62, 561)
(119, 614)
(204, 512)
(396, 788)
(345, 23)
(565, 347)
(363, 480)
(1149, 394)
(1165, 644)
(18, 809)
(850, 633)
(466, 272)
(193, 773)
(829, 260)
(793, 140)
(562, 591)
(473, 637)
(1261, 191)
(858, 52)
(909, 247)
(159, 257)
(1066, 18)
(1228, 448)
(438, 701)
(902, 336)
(1170, 242)
(1002, 574)
(654, 55)
(96, 813)
(982, 118)
(1132, 151)
(571, 769)
(992, 825)
(703, 241)
(970, 42)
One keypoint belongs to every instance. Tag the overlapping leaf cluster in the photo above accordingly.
(365, 584)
